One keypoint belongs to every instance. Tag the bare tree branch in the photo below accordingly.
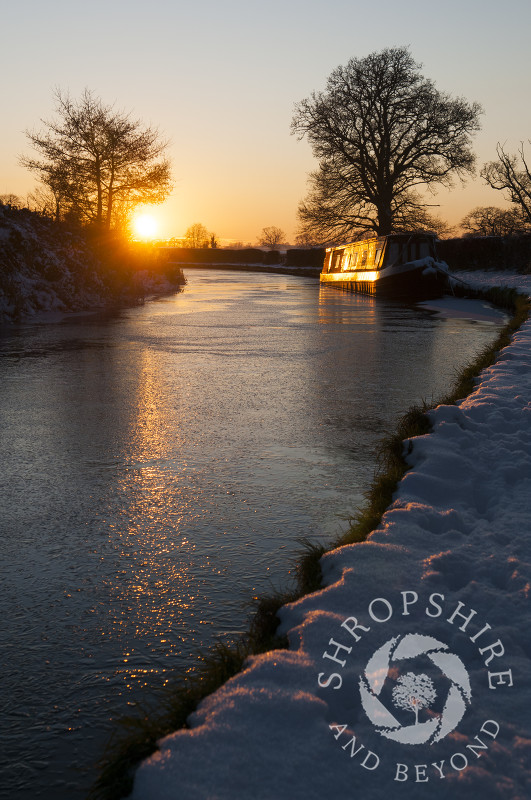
(510, 173)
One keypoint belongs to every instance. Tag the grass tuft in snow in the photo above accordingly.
(137, 736)
(394, 449)
(516, 304)
(392, 467)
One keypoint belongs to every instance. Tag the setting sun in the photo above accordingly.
(145, 226)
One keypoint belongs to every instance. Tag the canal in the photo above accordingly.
(159, 465)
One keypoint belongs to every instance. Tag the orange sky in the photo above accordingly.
(220, 81)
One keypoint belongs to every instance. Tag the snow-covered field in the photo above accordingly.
(440, 590)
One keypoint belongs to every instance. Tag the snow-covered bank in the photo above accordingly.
(45, 268)
(440, 590)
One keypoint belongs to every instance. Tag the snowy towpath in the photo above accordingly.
(409, 675)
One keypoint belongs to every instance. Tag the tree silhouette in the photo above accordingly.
(382, 133)
(512, 174)
(197, 236)
(271, 237)
(414, 692)
(98, 163)
(493, 221)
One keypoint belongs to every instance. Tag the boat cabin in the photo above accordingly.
(379, 252)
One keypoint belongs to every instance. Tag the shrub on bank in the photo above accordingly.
(305, 257)
(49, 266)
(198, 255)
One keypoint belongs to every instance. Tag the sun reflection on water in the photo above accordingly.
(152, 592)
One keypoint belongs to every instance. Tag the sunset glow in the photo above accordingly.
(145, 226)
(251, 172)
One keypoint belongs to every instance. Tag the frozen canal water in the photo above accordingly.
(159, 465)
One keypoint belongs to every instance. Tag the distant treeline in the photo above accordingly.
(250, 255)
(304, 257)
(204, 255)
(487, 252)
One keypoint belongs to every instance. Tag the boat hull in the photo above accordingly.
(413, 281)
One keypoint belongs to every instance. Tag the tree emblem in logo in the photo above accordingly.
(414, 692)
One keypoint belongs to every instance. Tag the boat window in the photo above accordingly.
(354, 259)
(377, 257)
(364, 258)
(393, 253)
(424, 249)
(346, 259)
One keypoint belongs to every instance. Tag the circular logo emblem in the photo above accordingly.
(383, 685)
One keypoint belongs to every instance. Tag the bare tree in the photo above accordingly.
(381, 131)
(511, 173)
(98, 162)
(306, 239)
(414, 692)
(493, 221)
(10, 199)
(44, 201)
(271, 237)
(196, 236)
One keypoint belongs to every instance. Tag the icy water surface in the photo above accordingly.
(158, 467)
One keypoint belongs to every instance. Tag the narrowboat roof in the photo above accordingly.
(369, 239)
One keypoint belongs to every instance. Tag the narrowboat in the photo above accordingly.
(400, 266)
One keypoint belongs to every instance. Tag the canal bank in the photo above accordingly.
(444, 578)
(226, 661)
(159, 466)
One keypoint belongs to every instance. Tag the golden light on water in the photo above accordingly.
(152, 593)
